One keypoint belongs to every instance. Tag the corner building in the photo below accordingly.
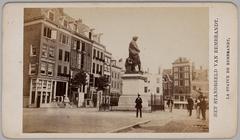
(48, 35)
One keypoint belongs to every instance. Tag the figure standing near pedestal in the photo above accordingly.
(133, 59)
(138, 106)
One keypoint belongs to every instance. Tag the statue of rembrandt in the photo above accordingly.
(133, 59)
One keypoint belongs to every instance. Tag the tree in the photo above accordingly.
(102, 82)
(79, 79)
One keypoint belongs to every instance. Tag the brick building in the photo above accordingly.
(116, 82)
(182, 80)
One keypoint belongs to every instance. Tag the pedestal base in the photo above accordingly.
(127, 103)
(133, 84)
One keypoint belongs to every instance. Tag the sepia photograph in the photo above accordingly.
(116, 70)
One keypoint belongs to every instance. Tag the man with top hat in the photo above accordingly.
(138, 106)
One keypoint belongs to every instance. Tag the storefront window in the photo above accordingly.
(44, 84)
(49, 85)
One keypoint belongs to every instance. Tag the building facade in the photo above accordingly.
(182, 80)
(116, 82)
(167, 82)
(46, 57)
(56, 48)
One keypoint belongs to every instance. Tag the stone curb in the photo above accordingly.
(129, 126)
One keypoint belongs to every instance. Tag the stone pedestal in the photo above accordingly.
(133, 84)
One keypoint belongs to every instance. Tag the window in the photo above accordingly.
(39, 84)
(65, 23)
(100, 69)
(186, 68)
(181, 83)
(94, 53)
(175, 69)
(60, 54)
(74, 44)
(158, 90)
(44, 84)
(97, 54)
(186, 75)
(34, 84)
(82, 61)
(145, 89)
(50, 69)
(194, 87)
(59, 69)
(181, 98)
(93, 68)
(158, 80)
(181, 68)
(33, 50)
(64, 39)
(97, 68)
(43, 69)
(176, 97)
(181, 75)
(175, 83)
(78, 45)
(33, 97)
(66, 57)
(43, 97)
(83, 46)
(51, 52)
(49, 85)
(51, 15)
(101, 57)
(32, 69)
(50, 33)
(175, 75)
(186, 83)
(48, 97)
(65, 70)
(44, 50)
(79, 60)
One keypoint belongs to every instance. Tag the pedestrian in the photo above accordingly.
(170, 104)
(198, 108)
(138, 106)
(199, 99)
(190, 105)
(203, 107)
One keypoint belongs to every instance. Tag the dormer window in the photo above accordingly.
(65, 23)
(75, 28)
(51, 15)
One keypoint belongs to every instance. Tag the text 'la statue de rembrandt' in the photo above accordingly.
(133, 59)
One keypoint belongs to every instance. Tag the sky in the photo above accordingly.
(164, 33)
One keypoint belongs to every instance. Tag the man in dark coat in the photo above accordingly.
(190, 105)
(203, 107)
(138, 106)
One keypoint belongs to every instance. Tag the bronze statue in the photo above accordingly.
(133, 58)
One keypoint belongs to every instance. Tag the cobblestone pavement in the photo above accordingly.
(82, 120)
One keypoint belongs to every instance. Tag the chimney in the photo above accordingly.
(90, 35)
